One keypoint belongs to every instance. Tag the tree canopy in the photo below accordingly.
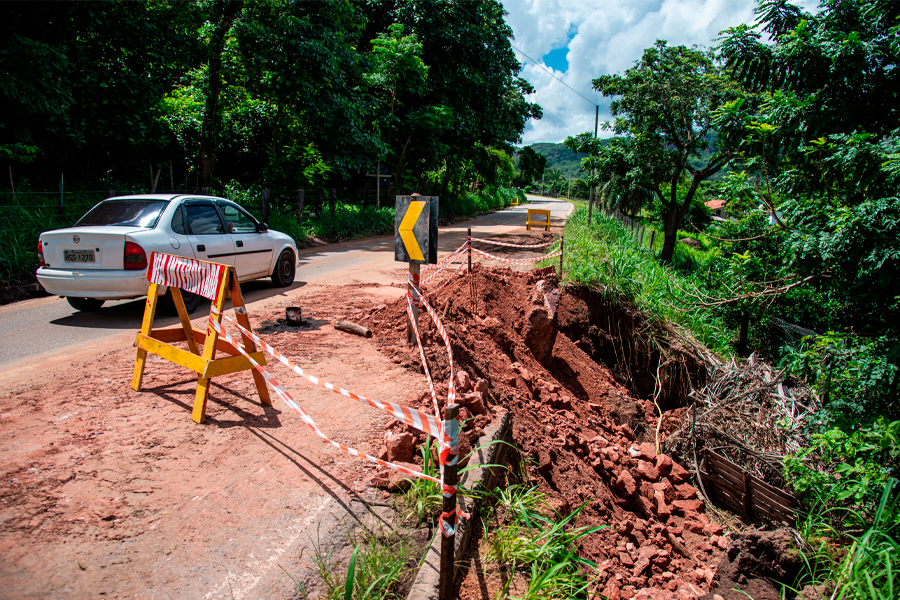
(285, 94)
(665, 107)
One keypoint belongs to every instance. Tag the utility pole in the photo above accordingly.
(591, 195)
(542, 183)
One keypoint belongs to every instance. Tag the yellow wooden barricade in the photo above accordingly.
(515, 201)
(538, 211)
(205, 363)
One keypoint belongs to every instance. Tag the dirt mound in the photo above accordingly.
(589, 434)
(753, 559)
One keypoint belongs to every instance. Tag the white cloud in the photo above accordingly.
(611, 36)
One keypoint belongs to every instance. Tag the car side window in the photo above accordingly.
(178, 221)
(240, 221)
(203, 219)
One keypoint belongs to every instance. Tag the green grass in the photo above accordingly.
(381, 561)
(606, 256)
(535, 542)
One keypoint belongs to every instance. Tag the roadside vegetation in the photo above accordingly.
(801, 270)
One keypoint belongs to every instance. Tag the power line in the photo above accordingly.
(560, 120)
(537, 64)
(459, 6)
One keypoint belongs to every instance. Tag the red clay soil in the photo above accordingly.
(572, 417)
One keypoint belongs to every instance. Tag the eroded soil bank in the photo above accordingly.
(585, 424)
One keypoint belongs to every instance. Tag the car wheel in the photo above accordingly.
(191, 302)
(85, 304)
(285, 269)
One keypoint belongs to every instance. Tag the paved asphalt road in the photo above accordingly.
(45, 326)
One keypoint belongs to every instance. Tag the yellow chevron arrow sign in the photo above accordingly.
(406, 229)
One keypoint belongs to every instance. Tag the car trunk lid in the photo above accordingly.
(86, 248)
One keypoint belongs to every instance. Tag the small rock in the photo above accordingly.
(393, 481)
(647, 471)
(625, 560)
(687, 506)
(463, 382)
(643, 452)
(663, 464)
(474, 402)
(481, 386)
(400, 446)
(713, 529)
(686, 491)
(678, 473)
(625, 482)
(491, 323)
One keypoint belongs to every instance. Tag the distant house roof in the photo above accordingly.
(715, 204)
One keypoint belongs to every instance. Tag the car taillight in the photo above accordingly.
(41, 254)
(135, 257)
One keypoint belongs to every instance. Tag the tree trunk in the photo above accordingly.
(332, 201)
(674, 217)
(225, 14)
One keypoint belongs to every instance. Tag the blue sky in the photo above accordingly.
(583, 39)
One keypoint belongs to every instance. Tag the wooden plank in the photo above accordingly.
(735, 500)
(724, 464)
(169, 335)
(232, 364)
(146, 326)
(730, 476)
(171, 353)
(768, 489)
(766, 492)
(785, 496)
(183, 317)
(209, 349)
(237, 300)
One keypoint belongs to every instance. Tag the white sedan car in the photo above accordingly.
(104, 255)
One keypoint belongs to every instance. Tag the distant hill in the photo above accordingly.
(559, 157)
(568, 163)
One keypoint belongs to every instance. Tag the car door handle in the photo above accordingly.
(240, 244)
(201, 248)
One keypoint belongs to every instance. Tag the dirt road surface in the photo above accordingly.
(106, 492)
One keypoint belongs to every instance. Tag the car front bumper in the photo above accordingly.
(90, 283)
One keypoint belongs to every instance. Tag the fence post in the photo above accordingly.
(449, 517)
(561, 254)
(652, 236)
(469, 244)
(171, 179)
(301, 197)
(412, 287)
(265, 205)
(59, 207)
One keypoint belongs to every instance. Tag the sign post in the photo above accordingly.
(415, 243)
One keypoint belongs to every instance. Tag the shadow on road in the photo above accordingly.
(128, 315)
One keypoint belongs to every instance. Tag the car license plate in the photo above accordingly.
(78, 256)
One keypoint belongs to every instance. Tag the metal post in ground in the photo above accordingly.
(561, 254)
(449, 517)
(412, 287)
(469, 244)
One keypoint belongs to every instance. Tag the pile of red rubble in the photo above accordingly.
(588, 441)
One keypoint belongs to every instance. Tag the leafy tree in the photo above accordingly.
(665, 106)
(824, 143)
(531, 166)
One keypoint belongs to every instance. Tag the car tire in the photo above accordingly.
(191, 302)
(85, 304)
(285, 269)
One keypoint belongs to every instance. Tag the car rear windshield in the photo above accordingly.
(127, 213)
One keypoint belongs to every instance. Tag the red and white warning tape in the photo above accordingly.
(516, 261)
(447, 258)
(196, 276)
(289, 400)
(412, 417)
(544, 245)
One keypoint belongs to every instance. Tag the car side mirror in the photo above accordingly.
(263, 228)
